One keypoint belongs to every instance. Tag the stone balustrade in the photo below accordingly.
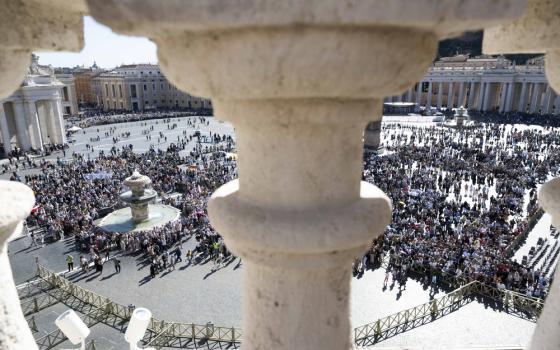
(26, 25)
(299, 80)
(538, 30)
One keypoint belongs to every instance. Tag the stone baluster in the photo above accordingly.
(26, 26)
(31, 25)
(547, 333)
(16, 202)
(299, 80)
(538, 30)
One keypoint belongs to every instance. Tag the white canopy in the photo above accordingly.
(74, 128)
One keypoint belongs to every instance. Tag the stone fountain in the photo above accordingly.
(139, 195)
(142, 214)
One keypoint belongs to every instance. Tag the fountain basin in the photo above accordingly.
(121, 220)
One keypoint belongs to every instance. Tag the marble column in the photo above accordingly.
(298, 215)
(419, 93)
(429, 97)
(439, 95)
(522, 107)
(488, 96)
(55, 109)
(34, 126)
(546, 336)
(16, 203)
(548, 100)
(482, 95)
(4, 128)
(503, 96)
(461, 97)
(557, 105)
(450, 95)
(23, 137)
(535, 98)
(472, 95)
(509, 97)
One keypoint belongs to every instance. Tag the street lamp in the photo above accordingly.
(137, 326)
(73, 328)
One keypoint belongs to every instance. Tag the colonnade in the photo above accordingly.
(31, 124)
(535, 97)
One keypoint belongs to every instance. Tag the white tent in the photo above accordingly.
(74, 128)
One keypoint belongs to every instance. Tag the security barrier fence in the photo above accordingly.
(96, 308)
(531, 222)
(402, 321)
(160, 333)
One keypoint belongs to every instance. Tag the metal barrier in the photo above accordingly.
(531, 222)
(173, 334)
(163, 333)
(402, 321)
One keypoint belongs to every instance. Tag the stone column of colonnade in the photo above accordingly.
(450, 95)
(6, 137)
(22, 127)
(32, 120)
(472, 95)
(281, 73)
(439, 95)
(54, 112)
(26, 26)
(538, 30)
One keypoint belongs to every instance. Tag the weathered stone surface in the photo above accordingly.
(536, 31)
(30, 25)
(16, 201)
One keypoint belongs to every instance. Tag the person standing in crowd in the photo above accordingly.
(70, 262)
(117, 263)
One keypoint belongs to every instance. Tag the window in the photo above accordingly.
(65, 93)
(120, 91)
(145, 87)
(153, 87)
(133, 91)
(106, 90)
(113, 88)
(161, 86)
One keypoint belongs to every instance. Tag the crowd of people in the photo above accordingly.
(547, 120)
(113, 117)
(70, 196)
(460, 198)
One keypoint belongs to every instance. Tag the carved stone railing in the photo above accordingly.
(299, 80)
(538, 30)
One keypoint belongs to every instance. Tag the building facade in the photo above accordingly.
(33, 115)
(140, 87)
(69, 96)
(83, 80)
(484, 84)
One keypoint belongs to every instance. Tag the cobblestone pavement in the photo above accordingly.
(197, 293)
